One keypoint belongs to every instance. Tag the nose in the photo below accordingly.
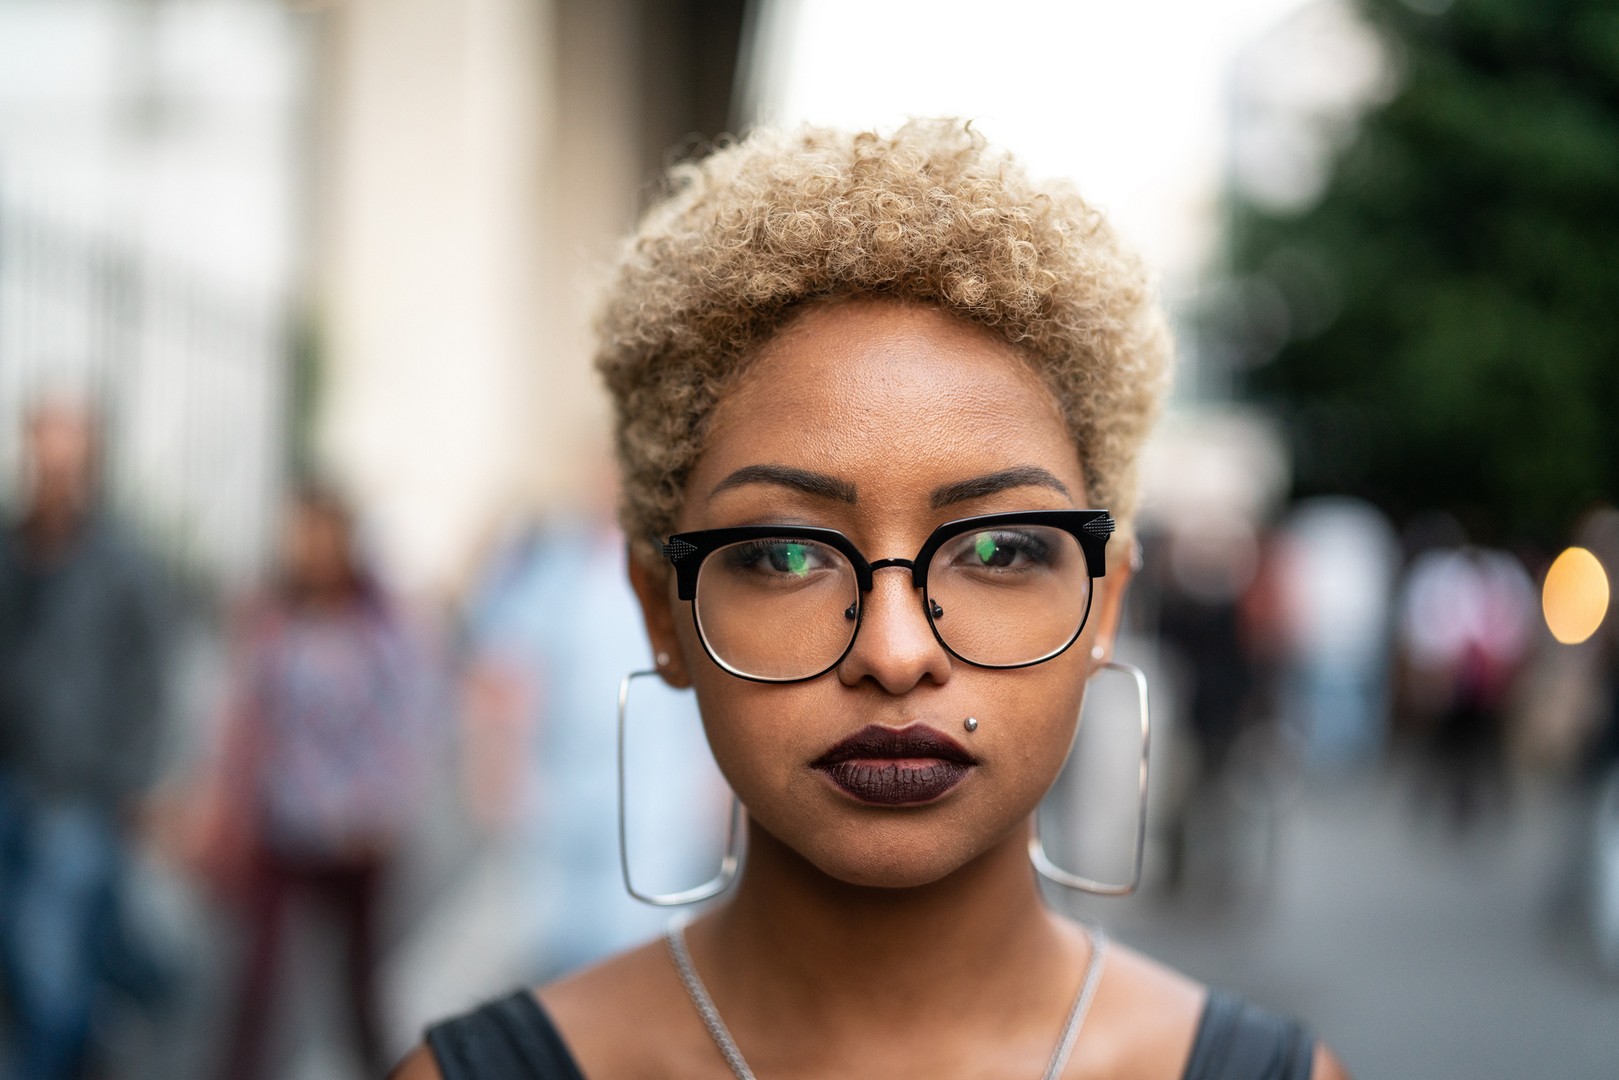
(895, 646)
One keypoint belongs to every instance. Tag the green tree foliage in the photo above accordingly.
(1445, 331)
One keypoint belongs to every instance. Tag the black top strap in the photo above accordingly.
(508, 1039)
(1239, 1041)
(513, 1039)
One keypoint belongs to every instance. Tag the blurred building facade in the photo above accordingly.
(148, 174)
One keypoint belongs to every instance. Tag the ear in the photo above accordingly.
(1108, 609)
(655, 591)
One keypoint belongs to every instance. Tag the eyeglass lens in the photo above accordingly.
(788, 608)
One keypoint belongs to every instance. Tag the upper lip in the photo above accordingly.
(877, 742)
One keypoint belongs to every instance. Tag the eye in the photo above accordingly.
(1001, 549)
(778, 557)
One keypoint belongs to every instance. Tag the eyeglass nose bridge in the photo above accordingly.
(883, 564)
(931, 606)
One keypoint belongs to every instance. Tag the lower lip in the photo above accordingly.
(896, 782)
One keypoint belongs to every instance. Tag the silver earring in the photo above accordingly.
(1043, 863)
(728, 864)
(971, 723)
(662, 660)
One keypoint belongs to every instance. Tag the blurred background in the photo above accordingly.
(312, 611)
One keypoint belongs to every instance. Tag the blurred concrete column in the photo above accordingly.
(431, 129)
(638, 84)
(476, 163)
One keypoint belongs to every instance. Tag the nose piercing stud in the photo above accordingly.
(971, 723)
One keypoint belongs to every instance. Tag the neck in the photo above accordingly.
(796, 935)
(50, 529)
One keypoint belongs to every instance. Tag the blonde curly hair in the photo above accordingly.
(759, 229)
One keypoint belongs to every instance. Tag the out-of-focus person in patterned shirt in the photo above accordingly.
(332, 722)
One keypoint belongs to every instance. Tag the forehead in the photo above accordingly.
(60, 422)
(893, 398)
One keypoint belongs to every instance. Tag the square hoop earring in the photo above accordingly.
(1043, 863)
(730, 863)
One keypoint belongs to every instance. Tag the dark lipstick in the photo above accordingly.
(889, 766)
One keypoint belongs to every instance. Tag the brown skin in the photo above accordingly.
(61, 454)
(864, 941)
(317, 551)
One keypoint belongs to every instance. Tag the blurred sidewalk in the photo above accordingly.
(1415, 953)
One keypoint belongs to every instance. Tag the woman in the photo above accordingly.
(871, 393)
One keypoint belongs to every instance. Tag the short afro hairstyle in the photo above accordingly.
(760, 229)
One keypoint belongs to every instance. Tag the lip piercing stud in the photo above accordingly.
(971, 723)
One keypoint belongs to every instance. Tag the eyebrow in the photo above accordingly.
(991, 483)
(810, 483)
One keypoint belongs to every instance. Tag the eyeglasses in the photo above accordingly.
(783, 603)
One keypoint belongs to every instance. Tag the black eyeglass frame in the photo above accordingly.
(686, 552)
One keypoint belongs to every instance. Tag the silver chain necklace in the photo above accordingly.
(676, 937)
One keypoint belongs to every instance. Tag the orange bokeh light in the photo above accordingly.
(1575, 596)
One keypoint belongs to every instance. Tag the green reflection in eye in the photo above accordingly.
(797, 559)
(984, 544)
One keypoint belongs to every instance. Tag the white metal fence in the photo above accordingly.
(192, 381)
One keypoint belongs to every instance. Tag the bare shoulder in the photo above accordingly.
(624, 984)
(1145, 981)
(1326, 1065)
(1152, 1017)
(1143, 1020)
(627, 1016)
(611, 1017)
(419, 1064)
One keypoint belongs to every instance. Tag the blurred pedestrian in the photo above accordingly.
(1599, 768)
(553, 630)
(1208, 571)
(82, 666)
(1465, 622)
(328, 734)
(1339, 580)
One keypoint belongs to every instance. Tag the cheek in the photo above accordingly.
(1029, 727)
(758, 744)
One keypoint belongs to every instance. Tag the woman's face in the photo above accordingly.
(897, 406)
(315, 548)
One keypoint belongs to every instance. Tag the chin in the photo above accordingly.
(892, 865)
(889, 849)
(889, 876)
